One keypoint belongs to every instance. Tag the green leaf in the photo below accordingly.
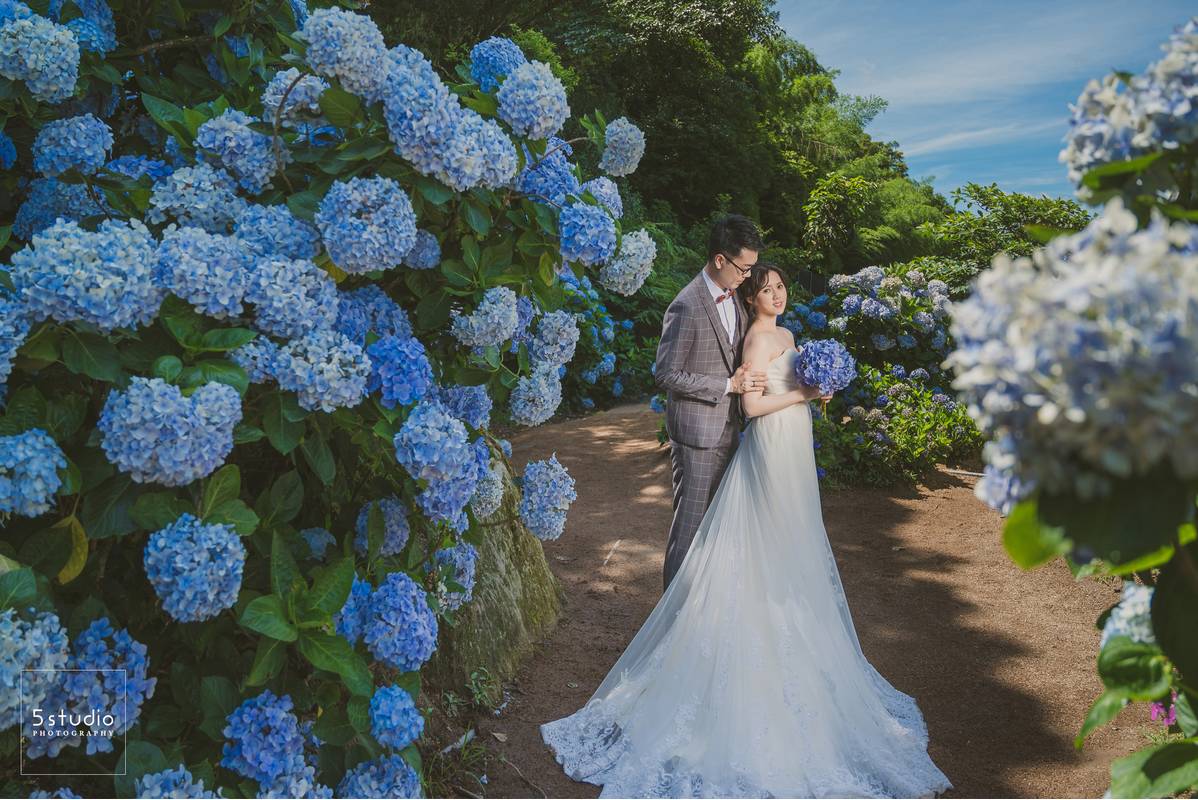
(375, 531)
(153, 511)
(304, 204)
(363, 149)
(358, 711)
(17, 588)
(283, 569)
(1138, 670)
(286, 497)
(1027, 541)
(331, 586)
(244, 434)
(218, 698)
(163, 113)
(1161, 771)
(222, 26)
(319, 457)
(26, 409)
(1187, 718)
(471, 253)
(1138, 516)
(1175, 613)
(236, 513)
(458, 273)
(138, 759)
(223, 339)
(283, 434)
(432, 312)
(333, 726)
(265, 615)
(267, 661)
(1094, 178)
(434, 192)
(1105, 708)
(220, 371)
(332, 653)
(222, 485)
(91, 355)
(167, 368)
(478, 217)
(64, 416)
(106, 509)
(341, 108)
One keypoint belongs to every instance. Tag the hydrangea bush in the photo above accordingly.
(270, 280)
(1079, 366)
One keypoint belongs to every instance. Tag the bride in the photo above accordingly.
(747, 679)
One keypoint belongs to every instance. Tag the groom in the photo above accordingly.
(697, 365)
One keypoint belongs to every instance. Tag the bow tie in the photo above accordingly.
(725, 296)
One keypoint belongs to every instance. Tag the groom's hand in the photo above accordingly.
(747, 379)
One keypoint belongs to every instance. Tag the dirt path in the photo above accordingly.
(1000, 661)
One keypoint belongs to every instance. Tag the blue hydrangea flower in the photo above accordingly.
(15, 324)
(102, 277)
(548, 491)
(420, 111)
(492, 323)
(49, 200)
(210, 271)
(171, 783)
(657, 404)
(924, 321)
(8, 151)
(199, 195)
(551, 178)
(324, 369)
(274, 232)
(432, 444)
(624, 144)
(463, 560)
(345, 46)
(881, 341)
(385, 776)
(318, 540)
(827, 364)
(400, 370)
(13, 9)
(607, 193)
(477, 152)
(303, 101)
(425, 253)
(471, 404)
(536, 397)
(627, 272)
(370, 310)
(64, 792)
(292, 298)
(533, 101)
(195, 569)
(525, 311)
(557, 336)
(247, 154)
(492, 59)
(395, 526)
(42, 54)
(366, 223)
(263, 739)
(29, 464)
(898, 371)
(488, 494)
(1132, 617)
(506, 447)
(588, 234)
(154, 433)
(80, 143)
(395, 721)
(350, 621)
(400, 629)
(34, 642)
(257, 358)
(108, 679)
(906, 341)
(134, 167)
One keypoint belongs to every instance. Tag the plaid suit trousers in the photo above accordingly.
(696, 474)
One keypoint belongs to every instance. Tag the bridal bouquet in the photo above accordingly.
(827, 364)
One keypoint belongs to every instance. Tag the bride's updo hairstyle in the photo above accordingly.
(757, 280)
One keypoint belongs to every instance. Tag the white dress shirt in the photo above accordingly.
(727, 312)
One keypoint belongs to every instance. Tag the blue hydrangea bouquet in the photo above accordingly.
(827, 364)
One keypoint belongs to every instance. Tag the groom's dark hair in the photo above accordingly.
(732, 233)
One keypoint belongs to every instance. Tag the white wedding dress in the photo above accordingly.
(747, 679)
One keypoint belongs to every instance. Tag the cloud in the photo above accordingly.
(958, 140)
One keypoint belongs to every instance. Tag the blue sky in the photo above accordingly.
(980, 91)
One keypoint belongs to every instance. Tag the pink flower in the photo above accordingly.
(1166, 716)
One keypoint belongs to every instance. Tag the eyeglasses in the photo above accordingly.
(739, 268)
